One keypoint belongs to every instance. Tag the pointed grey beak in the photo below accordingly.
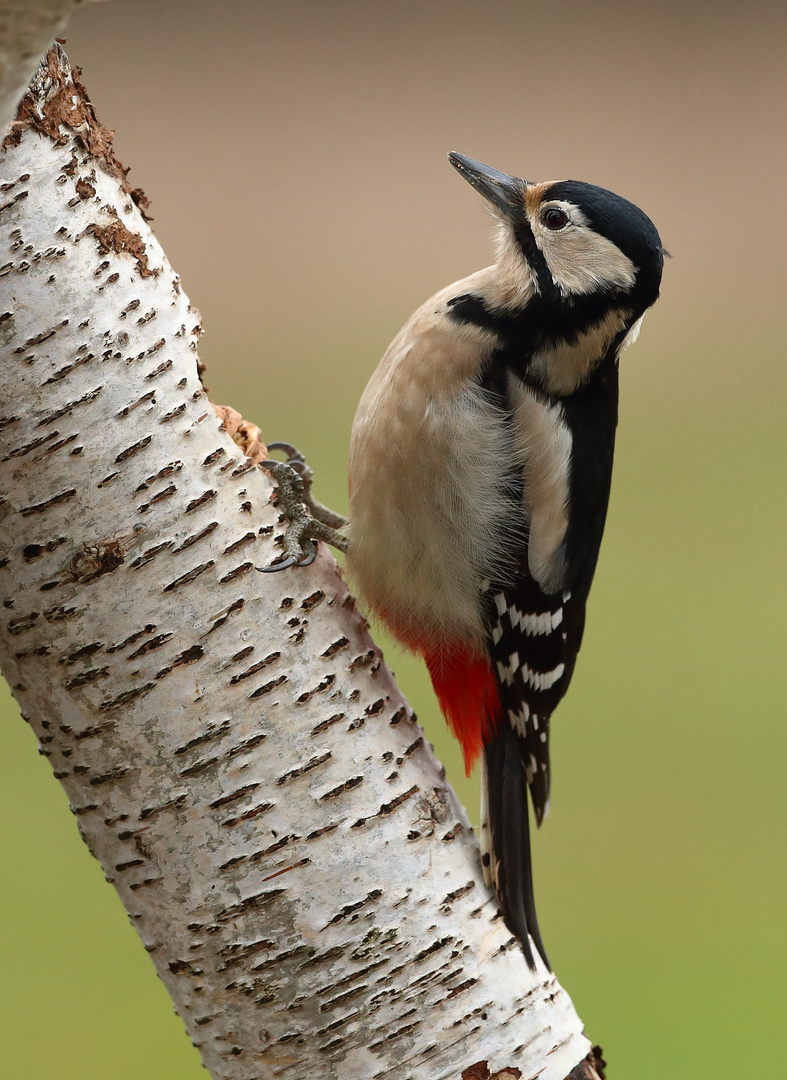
(503, 191)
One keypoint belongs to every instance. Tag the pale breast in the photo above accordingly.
(428, 459)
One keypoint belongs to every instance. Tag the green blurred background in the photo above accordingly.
(295, 157)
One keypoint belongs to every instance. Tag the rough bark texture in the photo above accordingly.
(235, 750)
(26, 31)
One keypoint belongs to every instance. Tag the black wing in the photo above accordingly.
(534, 638)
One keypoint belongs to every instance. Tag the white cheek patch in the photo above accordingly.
(579, 259)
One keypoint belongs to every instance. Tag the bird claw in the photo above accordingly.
(285, 564)
(308, 519)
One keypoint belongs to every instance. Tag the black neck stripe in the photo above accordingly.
(523, 235)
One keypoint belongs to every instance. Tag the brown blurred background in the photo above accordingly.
(295, 158)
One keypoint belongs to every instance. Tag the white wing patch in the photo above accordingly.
(531, 623)
(543, 623)
(543, 680)
(518, 719)
(544, 444)
(539, 680)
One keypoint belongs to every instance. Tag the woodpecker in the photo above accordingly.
(480, 470)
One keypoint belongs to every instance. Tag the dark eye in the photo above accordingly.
(554, 218)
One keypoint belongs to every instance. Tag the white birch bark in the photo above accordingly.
(237, 754)
(27, 28)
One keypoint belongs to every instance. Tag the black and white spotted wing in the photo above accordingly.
(535, 619)
(534, 627)
(533, 647)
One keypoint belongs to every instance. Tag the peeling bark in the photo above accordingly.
(591, 1068)
(235, 750)
(26, 31)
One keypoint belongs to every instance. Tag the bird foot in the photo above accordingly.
(309, 521)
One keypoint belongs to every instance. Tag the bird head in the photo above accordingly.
(574, 241)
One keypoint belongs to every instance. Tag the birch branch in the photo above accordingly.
(236, 752)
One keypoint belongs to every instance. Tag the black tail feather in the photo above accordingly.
(540, 775)
(510, 839)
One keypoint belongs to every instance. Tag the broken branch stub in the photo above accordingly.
(235, 750)
(27, 28)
